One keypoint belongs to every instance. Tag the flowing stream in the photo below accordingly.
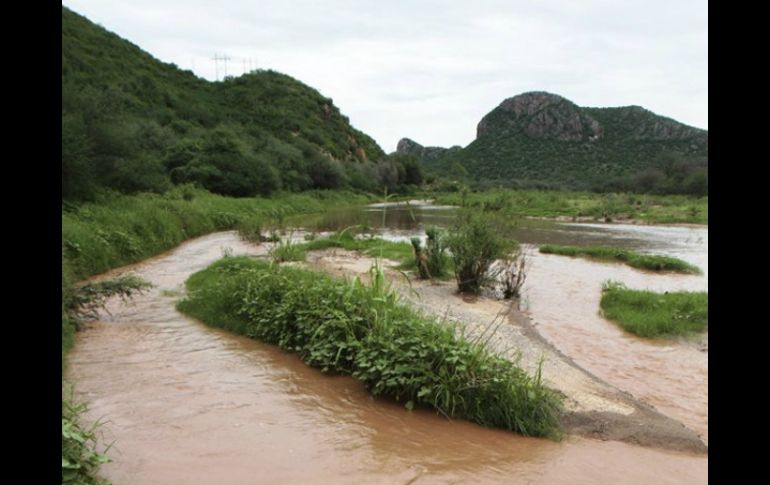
(186, 403)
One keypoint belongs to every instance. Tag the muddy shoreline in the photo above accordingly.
(594, 408)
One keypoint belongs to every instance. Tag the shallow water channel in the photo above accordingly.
(186, 403)
(562, 295)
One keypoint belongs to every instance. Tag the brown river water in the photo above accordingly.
(188, 404)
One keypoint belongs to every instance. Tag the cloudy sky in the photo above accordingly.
(429, 69)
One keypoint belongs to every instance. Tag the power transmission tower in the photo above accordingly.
(216, 65)
(225, 58)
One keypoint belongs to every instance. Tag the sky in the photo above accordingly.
(429, 70)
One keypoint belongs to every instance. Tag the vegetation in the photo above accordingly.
(375, 247)
(431, 260)
(541, 203)
(514, 274)
(349, 328)
(79, 459)
(119, 229)
(286, 250)
(631, 258)
(134, 124)
(650, 314)
(476, 241)
(636, 151)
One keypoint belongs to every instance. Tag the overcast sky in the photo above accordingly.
(429, 69)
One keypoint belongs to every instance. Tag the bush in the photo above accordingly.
(476, 241)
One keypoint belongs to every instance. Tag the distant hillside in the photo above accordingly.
(538, 139)
(133, 123)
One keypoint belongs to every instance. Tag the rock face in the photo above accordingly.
(540, 115)
(408, 146)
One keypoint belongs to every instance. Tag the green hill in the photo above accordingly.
(133, 123)
(539, 139)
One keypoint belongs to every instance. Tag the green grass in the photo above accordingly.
(119, 229)
(654, 209)
(631, 258)
(650, 314)
(349, 328)
(401, 252)
(287, 251)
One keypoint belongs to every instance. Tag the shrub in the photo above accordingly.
(476, 241)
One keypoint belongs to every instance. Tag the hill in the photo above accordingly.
(539, 139)
(133, 123)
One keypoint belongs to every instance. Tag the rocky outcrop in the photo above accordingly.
(540, 115)
(407, 146)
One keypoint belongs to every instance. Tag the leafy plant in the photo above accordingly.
(475, 242)
(79, 459)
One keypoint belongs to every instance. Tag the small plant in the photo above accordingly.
(79, 459)
(431, 260)
(514, 275)
(250, 230)
(284, 250)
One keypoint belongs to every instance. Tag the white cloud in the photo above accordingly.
(430, 70)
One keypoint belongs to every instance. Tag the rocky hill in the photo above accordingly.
(542, 139)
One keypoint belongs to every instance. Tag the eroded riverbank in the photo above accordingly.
(191, 404)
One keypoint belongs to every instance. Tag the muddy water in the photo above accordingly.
(194, 405)
(562, 297)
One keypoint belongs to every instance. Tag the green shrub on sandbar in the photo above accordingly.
(347, 327)
(643, 261)
(650, 314)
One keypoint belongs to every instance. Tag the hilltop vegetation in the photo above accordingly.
(132, 123)
(541, 140)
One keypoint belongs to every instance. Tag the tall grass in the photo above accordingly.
(120, 229)
(347, 327)
(631, 258)
(650, 314)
